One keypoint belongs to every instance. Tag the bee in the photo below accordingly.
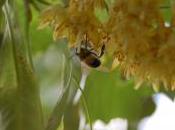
(88, 56)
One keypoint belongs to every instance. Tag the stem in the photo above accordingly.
(27, 30)
(84, 100)
(9, 25)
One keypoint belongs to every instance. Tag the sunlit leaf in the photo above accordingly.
(111, 98)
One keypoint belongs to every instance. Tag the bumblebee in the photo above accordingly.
(88, 56)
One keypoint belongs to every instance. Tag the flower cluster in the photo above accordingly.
(75, 21)
(142, 45)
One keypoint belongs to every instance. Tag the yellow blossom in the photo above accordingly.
(74, 22)
(140, 43)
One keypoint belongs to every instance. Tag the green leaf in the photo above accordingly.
(1, 27)
(167, 11)
(40, 39)
(8, 107)
(1, 38)
(2, 3)
(26, 112)
(64, 106)
(112, 97)
(71, 117)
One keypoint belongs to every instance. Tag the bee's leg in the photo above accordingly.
(86, 41)
(96, 54)
(87, 44)
(105, 40)
(102, 51)
(78, 47)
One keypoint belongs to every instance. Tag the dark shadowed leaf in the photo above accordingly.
(2, 3)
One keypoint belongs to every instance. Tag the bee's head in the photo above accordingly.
(93, 62)
(96, 63)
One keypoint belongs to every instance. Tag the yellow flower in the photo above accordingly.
(138, 28)
(140, 43)
(74, 22)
